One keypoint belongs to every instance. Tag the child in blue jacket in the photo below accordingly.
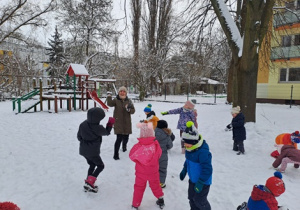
(198, 166)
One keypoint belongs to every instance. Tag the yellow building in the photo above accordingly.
(279, 80)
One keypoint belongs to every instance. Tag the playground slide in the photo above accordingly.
(95, 98)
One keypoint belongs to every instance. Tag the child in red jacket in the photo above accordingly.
(146, 154)
(264, 196)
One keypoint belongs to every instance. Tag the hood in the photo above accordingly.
(259, 192)
(95, 115)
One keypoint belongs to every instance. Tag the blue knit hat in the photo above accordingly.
(148, 108)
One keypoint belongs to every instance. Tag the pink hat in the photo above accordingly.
(189, 105)
(146, 130)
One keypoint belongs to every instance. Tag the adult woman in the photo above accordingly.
(124, 108)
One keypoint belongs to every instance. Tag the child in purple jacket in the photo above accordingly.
(186, 113)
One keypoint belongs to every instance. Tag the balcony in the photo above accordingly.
(288, 17)
(285, 52)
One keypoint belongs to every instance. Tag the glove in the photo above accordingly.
(129, 106)
(111, 122)
(164, 113)
(182, 174)
(198, 186)
(228, 127)
(141, 121)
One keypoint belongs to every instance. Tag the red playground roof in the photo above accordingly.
(77, 69)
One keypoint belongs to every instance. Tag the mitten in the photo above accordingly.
(228, 127)
(182, 174)
(110, 122)
(129, 106)
(198, 186)
(164, 113)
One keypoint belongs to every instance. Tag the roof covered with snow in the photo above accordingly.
(77, 69)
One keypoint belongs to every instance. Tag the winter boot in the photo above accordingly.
(90, 184)
(160, 202)
(163, 185)
(133, 207)
(116, 157)
(243, 206)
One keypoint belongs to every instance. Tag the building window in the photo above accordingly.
(294, 74)
(297, 40)
(286, 41)
(290, 75)
(283, 75)
(298, 5)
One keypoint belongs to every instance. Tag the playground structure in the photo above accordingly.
(78, 87)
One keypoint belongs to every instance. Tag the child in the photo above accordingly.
(238, 130)
(263, 197)
(198, 166)
(146, 154)
(151, 117)
(288, 154)
(186, 113)
(90, 136)
(165, 138)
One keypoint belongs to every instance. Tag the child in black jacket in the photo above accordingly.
(238, 130)
(90, 136)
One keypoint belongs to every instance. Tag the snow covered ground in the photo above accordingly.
(40, 167)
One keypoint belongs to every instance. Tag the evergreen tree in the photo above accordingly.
(57, 58)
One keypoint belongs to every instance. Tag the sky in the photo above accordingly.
(41, 168)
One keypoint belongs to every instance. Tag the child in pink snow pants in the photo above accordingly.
(146, 154)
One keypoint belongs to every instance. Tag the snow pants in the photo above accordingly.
(284, 163)
(238, 146)
(140, 186)
(163, 164)
(96, 166)
(198, 201)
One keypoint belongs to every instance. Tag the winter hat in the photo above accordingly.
(295, 137)
(162, 124)
(146, 130)
(8, 206)
(148, 108)
(189, 105)
(275, 184)
(190, 135)
(123, 88)
(235, 110)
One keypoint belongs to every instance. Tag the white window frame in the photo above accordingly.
(287, 75)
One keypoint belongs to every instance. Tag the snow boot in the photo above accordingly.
(133, 207)
(163, 185)
(90, 184)
(160, 202)
(243, 206)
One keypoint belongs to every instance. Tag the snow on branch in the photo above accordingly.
(235, 34)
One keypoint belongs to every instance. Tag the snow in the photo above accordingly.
(41, 167)
(236, 36)
(79, 69)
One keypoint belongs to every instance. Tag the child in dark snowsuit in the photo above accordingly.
(238, 130)
(198, 166)
(165, 138)
(90, 136)
(263, 196)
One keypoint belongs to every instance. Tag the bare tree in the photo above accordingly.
(20, 13)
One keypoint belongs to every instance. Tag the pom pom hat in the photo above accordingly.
(235, 110)
(190, 135)
(295, 137)
(148, 108)
(275, 184)
(146, 130)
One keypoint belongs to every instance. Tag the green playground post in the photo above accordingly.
(67, 83)
(19, 105)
